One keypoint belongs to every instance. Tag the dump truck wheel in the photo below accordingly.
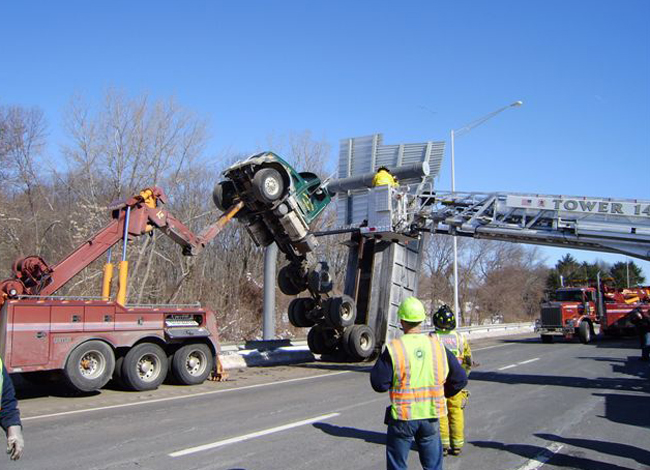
(145, 367)
(289, 282)
(192, 364)
(223, 195)
(268, 185)
(548, 339)
(316, 340)
(584, 332)
(359, 341)
(341, 311)
(298, 309)
(90, 366)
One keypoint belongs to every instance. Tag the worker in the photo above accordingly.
(420, 373)
(452, 426)
(641, 320)
(10, 416)
(384, 177)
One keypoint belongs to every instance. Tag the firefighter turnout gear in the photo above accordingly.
(419, 371)
(411, 310)
(383, 177)
(452, 426)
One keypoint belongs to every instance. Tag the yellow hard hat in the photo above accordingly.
(411, 310)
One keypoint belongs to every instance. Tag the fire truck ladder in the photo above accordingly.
(598, 224)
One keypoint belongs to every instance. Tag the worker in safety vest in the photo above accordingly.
(452, 426)
(419, 373)
(383, 177)
(10, 416)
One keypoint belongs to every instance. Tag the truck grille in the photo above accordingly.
(551, 316)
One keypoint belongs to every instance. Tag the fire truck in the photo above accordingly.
(90, 339)
(576, 311)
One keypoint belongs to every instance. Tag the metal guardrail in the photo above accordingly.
(240, 346)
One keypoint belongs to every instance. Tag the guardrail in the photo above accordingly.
(469, 330)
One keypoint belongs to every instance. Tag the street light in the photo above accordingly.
(459, 132)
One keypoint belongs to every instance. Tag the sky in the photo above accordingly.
(410, 70)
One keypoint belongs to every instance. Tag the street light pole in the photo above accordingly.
(459, 132)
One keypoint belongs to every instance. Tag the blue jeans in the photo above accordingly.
(645, 345)
(401, 435)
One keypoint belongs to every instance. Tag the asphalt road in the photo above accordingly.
(533, 405)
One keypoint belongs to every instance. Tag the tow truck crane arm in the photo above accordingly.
(131, 218)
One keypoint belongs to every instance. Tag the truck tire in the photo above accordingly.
(584, 332)
(290, 282)
(268, 185)
(192, 364)
(298, 309)
(547, 339)
(321, 340)
(89, 366)
(145, 367)
(341, 311)
(223, 195)
(359, 341)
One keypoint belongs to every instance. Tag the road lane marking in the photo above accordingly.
(528, 361)
(510, 366)
(492, 347)
(201, 394)
(253, 435)
(541, 458)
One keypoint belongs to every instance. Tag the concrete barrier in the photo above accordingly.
(240, 355)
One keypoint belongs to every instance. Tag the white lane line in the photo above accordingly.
(528, 361)
(492, 347)
(180, 397)
(541, 458)
(508, 367)
(253, 435)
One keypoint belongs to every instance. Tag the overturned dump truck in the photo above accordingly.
(388, 226)
(88, 340)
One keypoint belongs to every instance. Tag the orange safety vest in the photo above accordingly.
(420, 369)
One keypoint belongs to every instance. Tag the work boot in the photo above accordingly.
(454, 451)
(445, 451)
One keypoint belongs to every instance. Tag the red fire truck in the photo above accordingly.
(575, 311)
(88, 340)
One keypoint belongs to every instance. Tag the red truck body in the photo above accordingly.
(577, 310)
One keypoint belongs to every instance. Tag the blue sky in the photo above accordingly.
(411, 70)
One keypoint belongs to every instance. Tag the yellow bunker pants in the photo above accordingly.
(452, 426)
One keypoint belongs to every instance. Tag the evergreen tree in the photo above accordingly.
(620, 272)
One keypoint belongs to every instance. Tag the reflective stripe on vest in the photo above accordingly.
(453, 341)
(419, 371)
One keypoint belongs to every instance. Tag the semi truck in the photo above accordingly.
(88, 340)
(578, 311)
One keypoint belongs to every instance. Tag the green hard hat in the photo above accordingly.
(412, 310)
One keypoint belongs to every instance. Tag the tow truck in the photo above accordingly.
(89, 339)
(388, 227)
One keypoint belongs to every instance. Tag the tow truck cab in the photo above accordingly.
(572, 311)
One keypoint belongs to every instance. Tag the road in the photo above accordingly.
(533, 405)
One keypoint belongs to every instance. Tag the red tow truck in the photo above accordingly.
(575, 311)
(89, 340)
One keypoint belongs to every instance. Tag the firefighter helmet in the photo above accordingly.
(444, 318)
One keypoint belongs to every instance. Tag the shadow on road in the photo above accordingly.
(626, 409)
(630, 366)
(622, 384)
(642, 456)
(372, 437)
(559, 460)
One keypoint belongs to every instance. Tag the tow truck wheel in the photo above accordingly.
(359, 341)
(268, 185)
(298, 309)
(584, 332)
(145, 367)
(341, 311)
(192, 364)
(90, 366)
(547, 339)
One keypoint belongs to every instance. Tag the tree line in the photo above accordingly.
(116, 147)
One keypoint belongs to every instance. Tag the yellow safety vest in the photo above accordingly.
(419, 372)
(453, 341)
(382, 178)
